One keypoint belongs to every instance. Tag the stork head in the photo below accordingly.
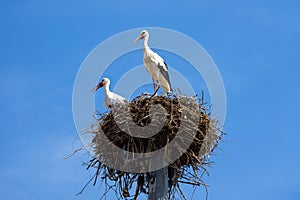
(144, 34)
(104, 82)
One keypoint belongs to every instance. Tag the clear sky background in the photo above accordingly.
(255, 44)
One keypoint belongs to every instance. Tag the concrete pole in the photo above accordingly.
(158, 185)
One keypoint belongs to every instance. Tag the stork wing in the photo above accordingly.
(162, 66)
(164, 71)
(120, 98)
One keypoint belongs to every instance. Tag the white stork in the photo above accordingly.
(111, 98)
(155, 65)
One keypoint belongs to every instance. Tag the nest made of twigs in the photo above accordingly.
(184, 115)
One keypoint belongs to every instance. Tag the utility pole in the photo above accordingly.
(158, 185)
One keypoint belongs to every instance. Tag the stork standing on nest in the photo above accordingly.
(111, 98)
(155, 65)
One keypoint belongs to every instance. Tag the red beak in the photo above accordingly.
(138, 38)
(98, 86)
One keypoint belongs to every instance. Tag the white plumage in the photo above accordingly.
(111, 98)
(155, 65)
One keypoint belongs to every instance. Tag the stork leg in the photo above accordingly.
(154, 84)
(156, 87)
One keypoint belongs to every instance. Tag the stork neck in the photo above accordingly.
(106, 88)
(146, 46)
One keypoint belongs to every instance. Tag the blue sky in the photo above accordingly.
(255, 44)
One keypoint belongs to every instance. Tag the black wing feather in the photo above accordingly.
(164, 72)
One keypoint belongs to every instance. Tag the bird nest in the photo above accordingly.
(181, 120)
